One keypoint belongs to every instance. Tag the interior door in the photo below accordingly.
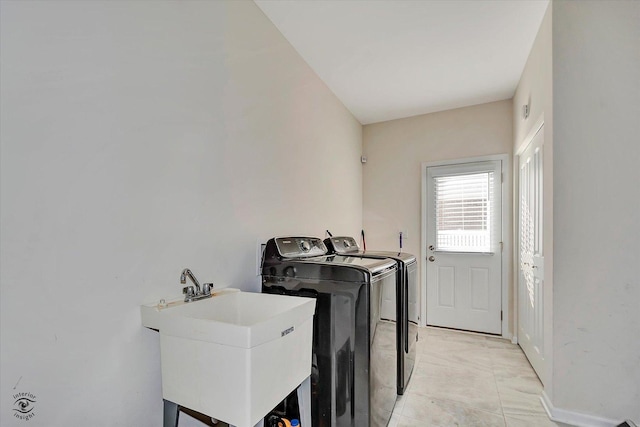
(464, 245)
(531, 257)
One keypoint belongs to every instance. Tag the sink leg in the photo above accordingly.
(171, 414)
(304, 402)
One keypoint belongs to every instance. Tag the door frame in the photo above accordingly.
(506, 283)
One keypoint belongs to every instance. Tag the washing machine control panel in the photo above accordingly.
(344, 245)
(296, 247)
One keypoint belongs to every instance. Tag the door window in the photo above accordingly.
(464, 206)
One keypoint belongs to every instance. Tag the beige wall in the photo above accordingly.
(139, 138)
(596, 64)
(395, 151)
(591, 151)
(535, 90)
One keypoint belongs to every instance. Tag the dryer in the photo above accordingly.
(353, 379)
(406, 296)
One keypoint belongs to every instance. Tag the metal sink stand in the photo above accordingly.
(171, 411)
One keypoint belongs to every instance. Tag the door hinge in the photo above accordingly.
(500, 315)
(501, 246)
(501, 176)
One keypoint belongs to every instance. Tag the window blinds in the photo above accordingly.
(464, 207)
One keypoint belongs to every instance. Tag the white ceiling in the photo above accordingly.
(387, 59)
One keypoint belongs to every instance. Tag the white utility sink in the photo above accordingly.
(233, 356)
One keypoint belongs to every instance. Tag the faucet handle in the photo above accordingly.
(206, 288)
(188, 291)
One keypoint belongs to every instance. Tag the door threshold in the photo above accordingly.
(483, 334)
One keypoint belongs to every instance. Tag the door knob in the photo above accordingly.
(432, 258)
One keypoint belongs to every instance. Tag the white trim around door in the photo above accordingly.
(506, 209)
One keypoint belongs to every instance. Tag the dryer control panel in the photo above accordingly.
(300, 247)
(342, 245)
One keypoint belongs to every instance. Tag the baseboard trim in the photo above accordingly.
(514, 339)
(577, 419)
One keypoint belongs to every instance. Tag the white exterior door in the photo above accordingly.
(531, 258)
(464, 245)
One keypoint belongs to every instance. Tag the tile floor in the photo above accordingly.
(465, 379)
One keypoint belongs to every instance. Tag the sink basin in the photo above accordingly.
(234, 356)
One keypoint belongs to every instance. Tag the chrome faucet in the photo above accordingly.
(183, 278)
(191, 294)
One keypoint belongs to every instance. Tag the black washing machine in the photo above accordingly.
(406, 294)
(353, 379)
